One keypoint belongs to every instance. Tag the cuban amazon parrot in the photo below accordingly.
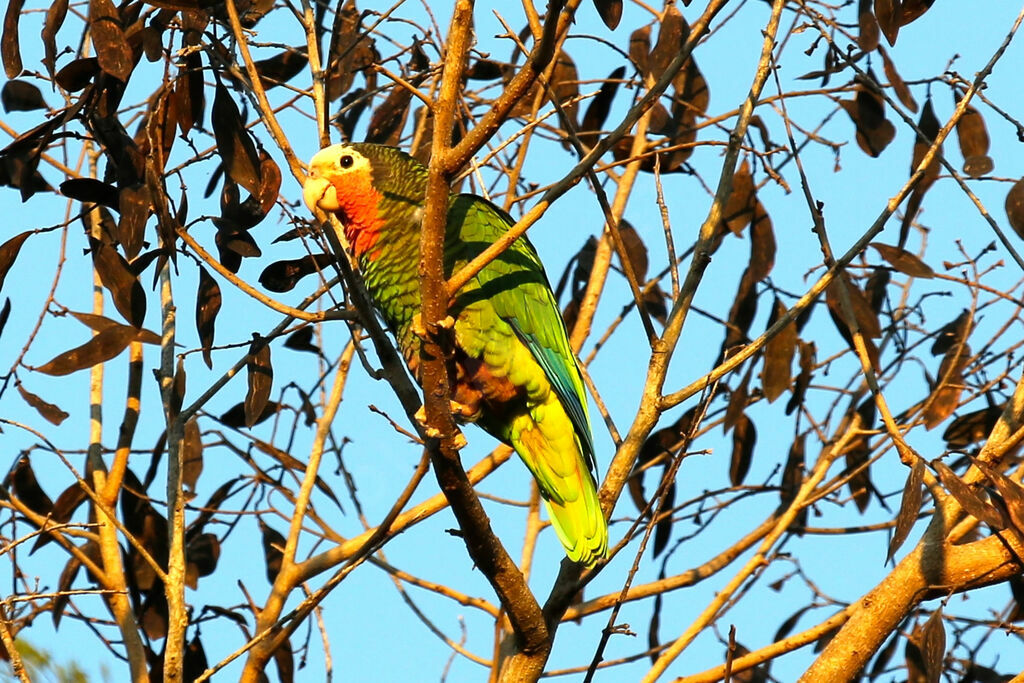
(514, 372)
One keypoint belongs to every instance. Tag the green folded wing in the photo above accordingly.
(516, 286)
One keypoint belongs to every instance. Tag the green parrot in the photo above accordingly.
(514, 372)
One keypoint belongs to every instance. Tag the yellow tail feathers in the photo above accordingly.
(580, 525)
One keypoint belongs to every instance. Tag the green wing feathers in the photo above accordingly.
(508, 319)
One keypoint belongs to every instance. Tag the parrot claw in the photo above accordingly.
(457, 409)
(419, 328)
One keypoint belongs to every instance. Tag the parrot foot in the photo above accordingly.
(419, 328)
(457, 410)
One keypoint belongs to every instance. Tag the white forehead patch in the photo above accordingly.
(338, 160)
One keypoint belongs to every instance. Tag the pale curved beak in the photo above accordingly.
(319, 192)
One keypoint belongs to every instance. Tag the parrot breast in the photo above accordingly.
(358, 204)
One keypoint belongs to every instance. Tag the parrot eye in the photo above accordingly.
(346, 161)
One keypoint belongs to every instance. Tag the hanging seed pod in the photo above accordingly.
(1015, 207)
(973, 137)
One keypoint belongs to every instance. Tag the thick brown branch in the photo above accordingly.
(484, 547)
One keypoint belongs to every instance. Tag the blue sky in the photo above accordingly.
(372, 633)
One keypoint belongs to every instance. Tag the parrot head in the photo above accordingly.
(336, 173)
(341, 181)
(366, 186)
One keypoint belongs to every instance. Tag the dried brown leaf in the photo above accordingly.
(152, 43)
(952, 333)
(202, 554)
(793, 473)
(897, 83)
(640, 48)
(154, 615)
(658, 450)
(195, 657)
(565, 86)
(857, 456)
(910, 506)
(887, 12)
(55, 16)
(762, 243)
(351, 50)
(881, 663)
(972, 427)
(116, 275)
(91, 190)
(5, 313)
(235, 415)
(302, 340)
(270, 182)
(261, 378)
(8, 252)
(778, 355)
(21, 96)
(50, 412)
(903, 261)
(784, 629)
(389, 117)
(1011, 492)
(191, 454)
(737, 406)
(1015, 207)
(744, 438)
(282, 276)
(807, 353)
(273, 550)
(933, 646)
(100, 323)
(282, 67)
(234, 144)
(738, 211)
(101, 348)
(208, 303)
(156, 137)
(190, 93)
(134, 205)
(968, 497)
(284, 662)
(863, 314)
(90, 549)
(929, 127)
(950, 384)
(972, 135)
(484, 70)
(910, 10)
(672, 35)
(867, 111)
(874, 288)
(112, 48)
(76, 75)
(599, 107)
(867, 36)
(22, 481)
(741, 313)
(63, 509)
(636, 250)
(610, 12)
(10, 44)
